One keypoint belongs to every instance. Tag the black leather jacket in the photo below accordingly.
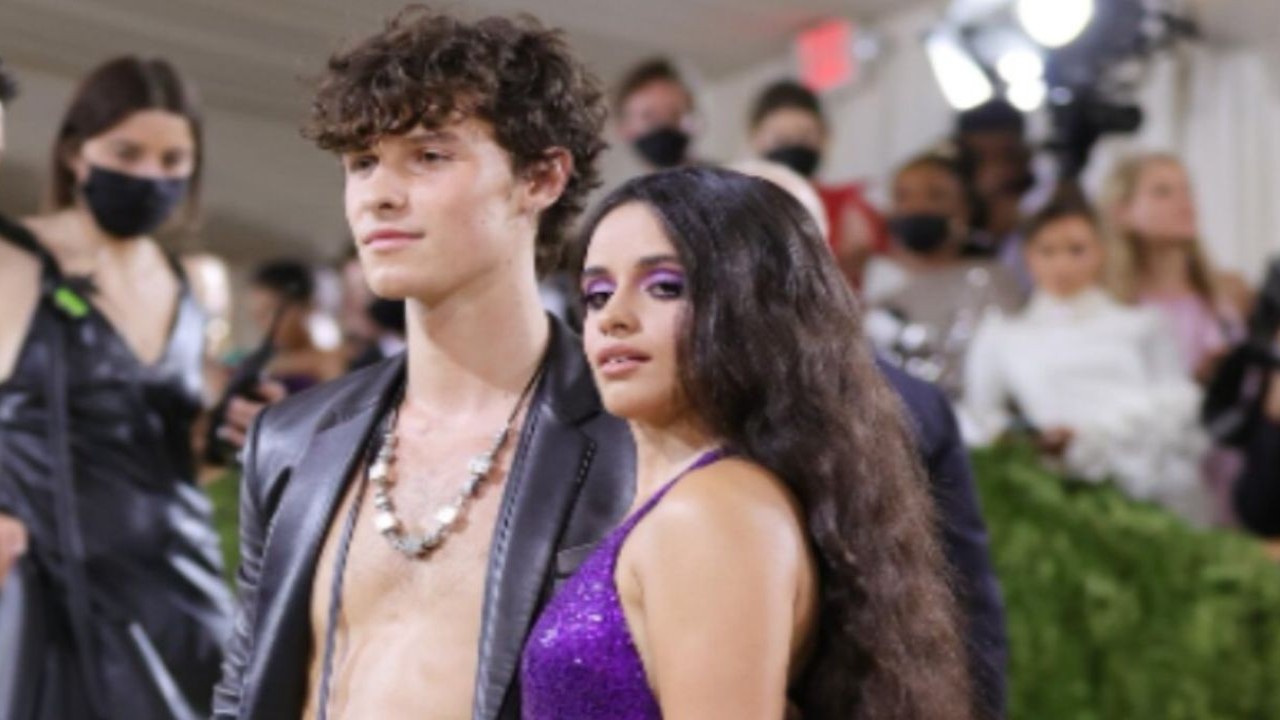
(571, 482)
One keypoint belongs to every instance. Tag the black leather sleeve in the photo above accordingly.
(253, 529)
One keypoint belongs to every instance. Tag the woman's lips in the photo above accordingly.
(619, 361)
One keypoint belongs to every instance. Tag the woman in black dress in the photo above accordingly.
(117, 608)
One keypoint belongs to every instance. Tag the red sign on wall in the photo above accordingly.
(826, 55)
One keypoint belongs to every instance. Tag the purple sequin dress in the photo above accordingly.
(580, 662)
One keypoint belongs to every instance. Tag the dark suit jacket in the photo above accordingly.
(964, 535)
(572, 479)
(1257, 490)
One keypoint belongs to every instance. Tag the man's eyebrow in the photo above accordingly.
(416, 135)
(421, 133)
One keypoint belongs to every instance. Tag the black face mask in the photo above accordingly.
(664, 147)
(801, 158)
(922, 233)
(127, 206)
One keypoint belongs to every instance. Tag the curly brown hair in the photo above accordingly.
(430, 69)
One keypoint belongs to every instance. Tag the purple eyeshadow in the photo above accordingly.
(664, 277)
(598, 285)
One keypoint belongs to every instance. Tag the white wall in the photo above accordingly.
(893, 113)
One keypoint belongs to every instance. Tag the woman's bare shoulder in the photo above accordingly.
(731, 503)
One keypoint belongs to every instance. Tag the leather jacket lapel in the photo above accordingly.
(307, 506)
(545, 481)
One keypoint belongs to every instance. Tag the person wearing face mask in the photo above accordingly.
(924, 286)
(787, 126)
(653, 112)
(117, 609)
(1099, 384)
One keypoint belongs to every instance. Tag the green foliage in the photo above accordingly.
(224, 491)
(1118, 609)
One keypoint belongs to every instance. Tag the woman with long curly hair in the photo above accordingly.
(792, 560)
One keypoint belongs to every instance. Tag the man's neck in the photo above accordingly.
(479, 346)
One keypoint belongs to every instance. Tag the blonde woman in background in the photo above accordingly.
(1155, 259)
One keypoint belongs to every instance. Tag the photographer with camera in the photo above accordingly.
(1243, 409)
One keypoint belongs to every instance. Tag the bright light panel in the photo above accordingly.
(1020, 65)
(1027, 95)
(1054, 23)
(963, 82)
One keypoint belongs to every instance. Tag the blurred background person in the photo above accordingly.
(793, 182)
(101, 351)
(653, 111)
(1257, 491)
(926, 296)
(788, 126)
(8, 90)
(372, 328)
(1155, 259)
(1097, 383)
(281, 303)
(996, 158)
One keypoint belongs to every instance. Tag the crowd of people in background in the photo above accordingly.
(1091, 325)
(1095, 328)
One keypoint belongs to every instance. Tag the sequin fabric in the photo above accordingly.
(580, 662)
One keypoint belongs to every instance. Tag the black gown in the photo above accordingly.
(154, 606)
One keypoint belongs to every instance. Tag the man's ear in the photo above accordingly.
(546, 179)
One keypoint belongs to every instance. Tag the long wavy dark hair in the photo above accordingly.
(772, 357)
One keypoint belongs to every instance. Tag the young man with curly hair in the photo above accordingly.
(402, 527)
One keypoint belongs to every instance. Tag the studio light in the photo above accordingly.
(1083, 60)
(1020, 65)
(1054, 23)
(1027, 95)
(964, 83)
